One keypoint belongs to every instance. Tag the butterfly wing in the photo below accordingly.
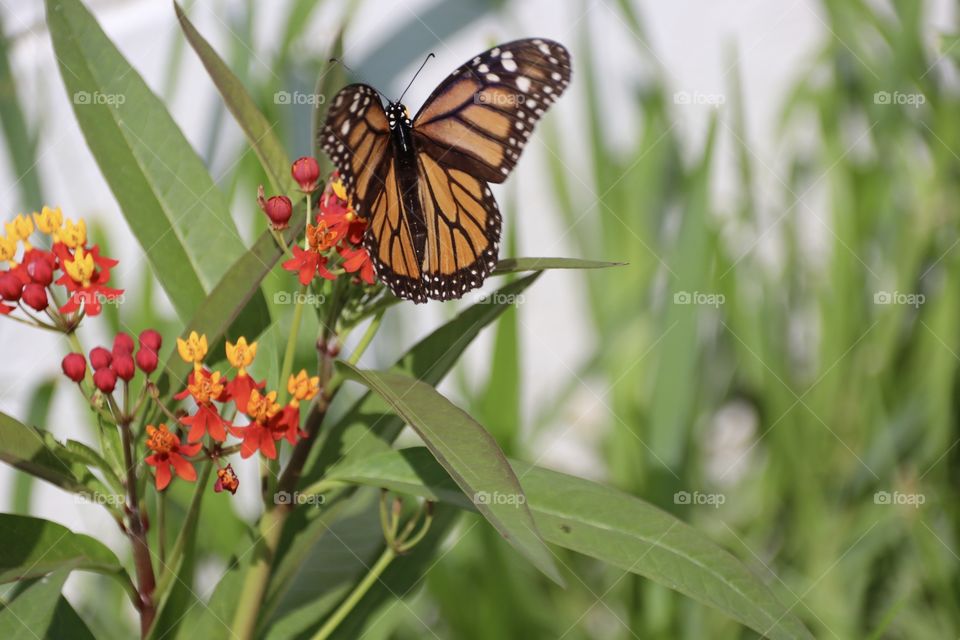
(356, 136)
(462, 224)
(479, 119)
(391, 236)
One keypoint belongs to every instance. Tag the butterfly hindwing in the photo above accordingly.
(479, 119)
(356, 136)
(463, 229)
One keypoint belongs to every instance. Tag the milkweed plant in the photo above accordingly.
(176, 411)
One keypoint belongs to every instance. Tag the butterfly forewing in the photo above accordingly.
(356, 136)
(479, 119)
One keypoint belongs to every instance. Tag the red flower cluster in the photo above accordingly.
(117, 363)
(83, 272)
(334, 244)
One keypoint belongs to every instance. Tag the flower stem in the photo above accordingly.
(357, 594)
(258, 576)
(146, 582)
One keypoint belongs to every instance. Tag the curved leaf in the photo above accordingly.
(605, 524)
(169, 200)
(259, 132)
(468, 453)
(514, 265)
(39, 611)
(33, 547)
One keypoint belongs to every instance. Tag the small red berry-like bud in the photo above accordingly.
(11, 287)
(40, 272)
(278, 209)
(147, 359)
(105, 379)
(306, 171)
(122, 343)
(123, 366)
(35, 295)
(151, 339)
(74, 366)
(100, 358)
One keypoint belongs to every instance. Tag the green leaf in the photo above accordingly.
(21, 142)
(41, 399)
(36, 453)
(39, 612)
(33, 547)
(468, 453)
(166, 194)
(605, 524)
(260, 133)
(513, 265)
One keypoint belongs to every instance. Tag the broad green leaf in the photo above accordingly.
(33, 547)
(260, 133)
(38, 408)
(605, 524)
(514, 265)
(166, 194)
(468, 453)
(38, 454)
(39, 612)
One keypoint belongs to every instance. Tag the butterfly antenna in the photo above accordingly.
(409, 84)
(344, 65)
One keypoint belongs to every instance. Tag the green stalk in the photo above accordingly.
(357, 594)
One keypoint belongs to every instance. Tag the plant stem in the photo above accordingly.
(258, 576)
(141, 551)
(357, 594)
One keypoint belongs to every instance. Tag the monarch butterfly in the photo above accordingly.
(433, 225)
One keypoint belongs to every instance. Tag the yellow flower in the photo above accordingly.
(72, 234)
(339, 190)
(205, 390)
(193, 349)
(49, 220)
(262, 407)
(8, 249)
(302, 387)
(81, 268)
(20, 229)
(241, 355)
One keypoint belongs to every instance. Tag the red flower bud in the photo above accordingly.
(147, 359)
(278, 209)
(74, 366)
(122, 343)
(40, 272)
(151, 339)
(123, 366)
(105, 379)
(35, 295)
(10, 286)
(100, 358)
(306, 171)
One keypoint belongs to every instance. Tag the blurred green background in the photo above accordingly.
(776, 366)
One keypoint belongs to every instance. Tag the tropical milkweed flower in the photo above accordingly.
(306, 172)
(227, 480)
(301, 387)
(168, 454)
(258, 435)
(193, 349)
(205, 388)
(241, 355)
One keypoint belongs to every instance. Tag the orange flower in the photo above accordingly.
(258, 435)
(168, 454)
(227, 480)
(240, 356)
(205, 389)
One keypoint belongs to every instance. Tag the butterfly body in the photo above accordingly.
(422, 184)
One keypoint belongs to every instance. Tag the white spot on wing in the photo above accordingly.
(523, 83)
